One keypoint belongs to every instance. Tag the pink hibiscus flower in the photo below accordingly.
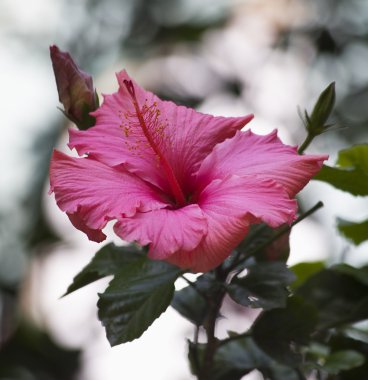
(186, 183)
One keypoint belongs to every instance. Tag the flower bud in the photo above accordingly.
(315, 123)
(75, 88)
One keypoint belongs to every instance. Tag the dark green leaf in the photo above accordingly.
(264, 286)
(357, 232)
(30, 353)
(277, 371)
(139, 293)
(281, 332)
(236, 358)
(41, 232)
(107, 261)
(339, 297)
(351, 174)
(340, 343)
(304, 270)
(191, 304)
(360, 274)
(343, 361)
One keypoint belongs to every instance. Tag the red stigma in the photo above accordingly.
(130, 87)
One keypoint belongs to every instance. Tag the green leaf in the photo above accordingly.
(236, 358)
(264, 286)
(351, 174)
(277, 371)
(360, 274)
(191, 304)
(357, 232)
(340, 343)
(343, 361)
(339, 297)
(304, 270)
(29, 353)
(281, 332)
(107, 261)
(139, 293)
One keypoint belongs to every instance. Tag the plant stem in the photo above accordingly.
(212, 342)
(306, 143)
(196, 364)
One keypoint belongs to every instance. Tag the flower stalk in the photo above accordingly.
(212, 345)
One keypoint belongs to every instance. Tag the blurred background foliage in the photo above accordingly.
(170, 44)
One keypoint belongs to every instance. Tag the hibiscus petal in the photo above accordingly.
(185, 136)
(266, 156)
(230, 205)
(93, 193)
(77, 220)
(167, 231)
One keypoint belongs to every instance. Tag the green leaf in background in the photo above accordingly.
(264, 286)
(351, 173)
(360, 274)
(351, 366)
(30, 353)
(281, 332)
(343, 361)
(338, 296)
(237, 357)
(303, 271)
(139, 293)
(357, 232)
(191, 304)
(277, 371)
(107, 261)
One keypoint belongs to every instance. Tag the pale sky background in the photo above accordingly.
(276, 86)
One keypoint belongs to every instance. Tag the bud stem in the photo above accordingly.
(306, 143)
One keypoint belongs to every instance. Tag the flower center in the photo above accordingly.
(148, 122)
